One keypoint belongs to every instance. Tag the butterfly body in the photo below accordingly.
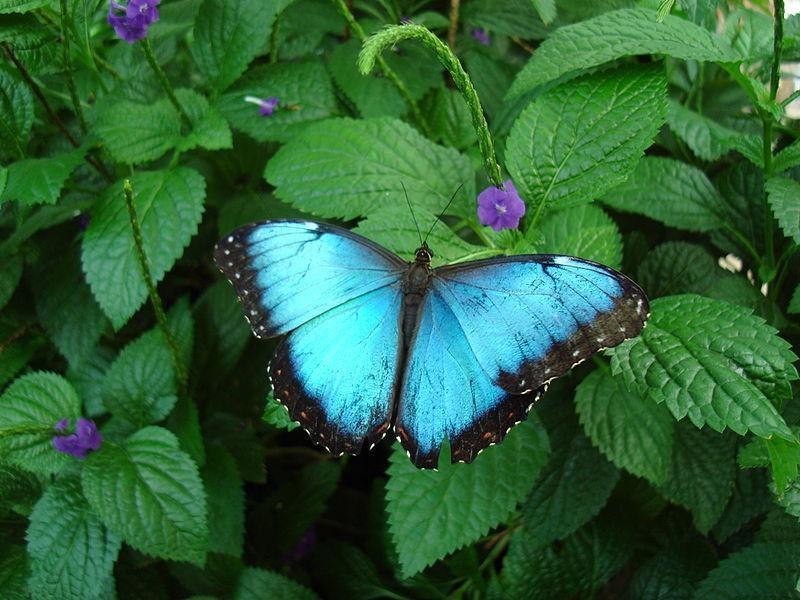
(375, 343)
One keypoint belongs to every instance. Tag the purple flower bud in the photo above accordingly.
(138, 16)
(406, 21)
(303, 547)
(266, 106)
(482, 36)
(85, 438)
(500, 209)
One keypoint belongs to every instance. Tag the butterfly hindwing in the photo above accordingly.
(446, 393)
(288, 272)
(530, 319)
(336, 374)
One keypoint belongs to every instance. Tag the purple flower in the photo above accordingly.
(482, 36)
(500, 209)
(85, 438)
(138, 16)
(303, 547)
(406, 21)
(266, 106)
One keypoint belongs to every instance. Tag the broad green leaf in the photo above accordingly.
(169, 205)
(741, 188)
(303, 26)
(613, 35)
(763, 570)
(345, 571)
(228, 34)
(583, 231)
(10, 276)
(784, 198)
(225, 498)
(490, 76)
(13, 571)
(29, 409)
(794, 303)
(506, 17)
(373, 96)
(789, 498)
(573, 487)
(750, 33)
(16, 109)
(664, 576)
(241, 440)
(575, 569)
(137, 132)
(345, 168)
(787, 158)
(71, 554)
(669, 191)
(546, 9)
(158, 506)
(749, 500)
(256, 584)
(393, 228)
(678, 267)
(707, 139)
(448, 116)
(635, 433)
(784, 458)
(21, 6)
(433, 513)
(711, 361)
(702, 474)
(19, 490)
(35, 46)
(577, 141)
(39, 180)
(65, 306)
(277, 415)
(305, 93)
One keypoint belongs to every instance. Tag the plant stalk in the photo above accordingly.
(73, 91)
(147, 48)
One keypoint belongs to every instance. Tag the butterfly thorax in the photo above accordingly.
(415, 284)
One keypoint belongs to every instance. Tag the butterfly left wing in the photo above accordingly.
(493, 333)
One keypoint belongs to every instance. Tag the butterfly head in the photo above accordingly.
(424, 254)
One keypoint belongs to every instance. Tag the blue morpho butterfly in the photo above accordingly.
(374, 342)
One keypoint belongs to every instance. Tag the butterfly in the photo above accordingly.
(374, 343)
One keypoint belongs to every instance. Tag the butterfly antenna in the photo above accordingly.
(444, 210)
(413, 216)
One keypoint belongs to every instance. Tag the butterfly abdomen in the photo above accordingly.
(415, 285)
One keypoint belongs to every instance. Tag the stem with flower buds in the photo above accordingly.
(388, 37)
(147, 47)
(155, 299)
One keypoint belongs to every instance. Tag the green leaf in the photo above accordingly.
(393, 228)
(228, 34)
(490, 76)
(707, 139)
(577, 141)
(16, 109)
(666, 575)
(749, 500)
(433, 513)
(158, 505)
(677, 267)
(19, 490)
(739, 185)
(702, 474)
(794, 303)
(255, 584)
(39, 180)
(373, 96)
(671, 192)
(613, 35)
(344, 571)
(449, 118)
(546, 10)
(572, 489)
(30, 407)
(241, 440)
(277, 415)
(575, 569)
(21, 6)
(763, 570)
(225, 502)
(583, 231)
(345, 168)
(209, 128)
(169, 205)
(10, 276)
(303, 86)
(634, 433)
(712, 361)
(516, 18)
(784, 458)
(65, 306)
(787, 158)
(789, 498)
(13, 572)
(784, 198)
(71, 554)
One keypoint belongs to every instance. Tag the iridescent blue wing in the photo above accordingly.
(340, 297)
(517, 322)
(287, 272)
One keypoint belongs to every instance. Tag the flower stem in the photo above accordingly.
(73, 92)
(147, 48)
(370, 53)
(387, 70)
(452, 30)
(155, 299)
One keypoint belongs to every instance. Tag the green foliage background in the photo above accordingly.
(643, 135)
